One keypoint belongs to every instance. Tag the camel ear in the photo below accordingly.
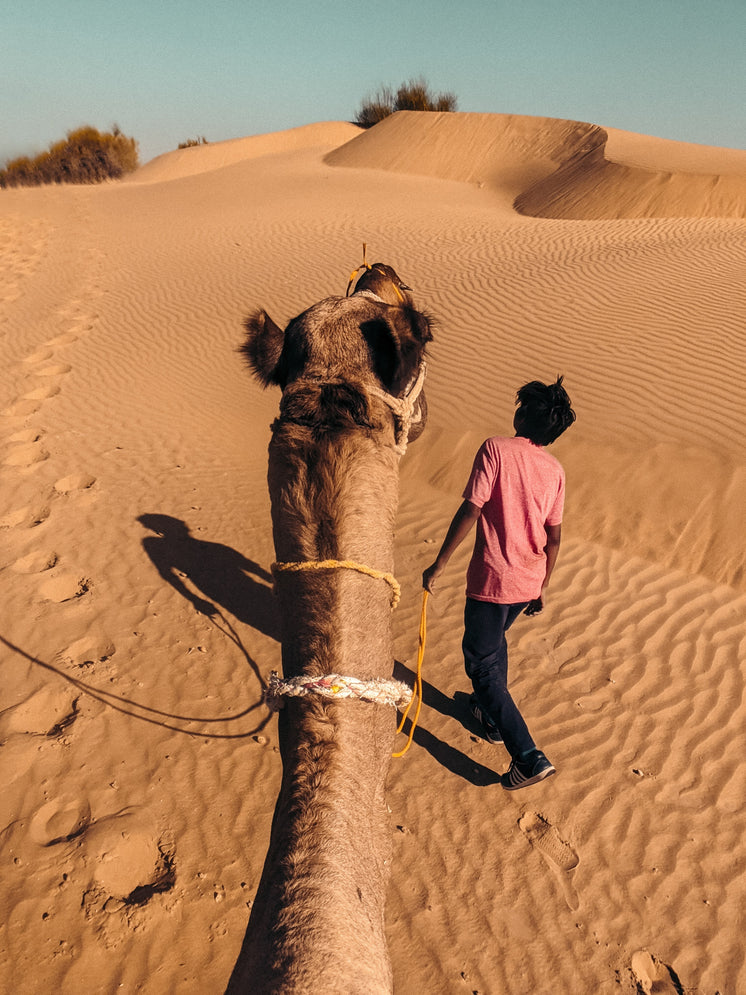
(397, 341)
(263, 347)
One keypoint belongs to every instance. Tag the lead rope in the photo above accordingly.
(418, 680)
(365, 265)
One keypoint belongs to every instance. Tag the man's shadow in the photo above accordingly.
(222, 577)
(456, 708)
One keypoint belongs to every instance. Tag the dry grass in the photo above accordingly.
(85, 156)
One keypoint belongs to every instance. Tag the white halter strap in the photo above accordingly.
(403, 407)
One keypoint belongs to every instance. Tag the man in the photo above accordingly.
(515, 496)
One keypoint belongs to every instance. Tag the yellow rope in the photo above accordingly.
(418, 680)
(396, 595)
(345, 565)
(365, 265)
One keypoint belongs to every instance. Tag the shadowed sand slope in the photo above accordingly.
(555, 168)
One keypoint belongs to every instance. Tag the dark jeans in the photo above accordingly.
(486, 662)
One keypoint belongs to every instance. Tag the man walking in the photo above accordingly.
(515, 496)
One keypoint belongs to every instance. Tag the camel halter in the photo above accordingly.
(378, 690)
(365, 265)
(403, 407)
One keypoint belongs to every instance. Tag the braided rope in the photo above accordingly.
(344, 565)
(379, 690)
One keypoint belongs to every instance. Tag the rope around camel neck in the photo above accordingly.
(379, 690)
(344, 565)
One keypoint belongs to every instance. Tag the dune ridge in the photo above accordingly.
(555, 168)
(215, 155)
(140, 766)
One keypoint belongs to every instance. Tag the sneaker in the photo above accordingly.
(524, 772)
(489, 732)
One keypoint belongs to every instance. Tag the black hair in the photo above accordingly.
(544, 411)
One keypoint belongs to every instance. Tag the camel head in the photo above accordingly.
(332, 360)
(384, 282)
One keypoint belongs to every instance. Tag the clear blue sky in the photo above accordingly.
(168, 70)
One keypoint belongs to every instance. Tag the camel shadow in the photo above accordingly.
(147, 713)
(448, 756)
(222, 577)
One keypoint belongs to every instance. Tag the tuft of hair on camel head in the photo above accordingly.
(383, 281)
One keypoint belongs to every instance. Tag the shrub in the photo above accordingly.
(191, 142)
(85, 156)
(414, 95)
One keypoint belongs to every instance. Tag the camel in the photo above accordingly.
(351, 371)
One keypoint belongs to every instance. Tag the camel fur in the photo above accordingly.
(317, 923)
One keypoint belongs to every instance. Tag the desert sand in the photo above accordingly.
(139, 765)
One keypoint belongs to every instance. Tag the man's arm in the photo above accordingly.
(461, 525)
(551, 551)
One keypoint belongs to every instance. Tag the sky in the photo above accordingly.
(166, 71)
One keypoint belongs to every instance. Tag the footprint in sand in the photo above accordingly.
(46, 712)
(64, 587)
(26, 454)
(55, 370)
(93, 648)
(26, 435)
(26, 518)
(560, 856)
(42, 393)
(60, 821)
(653, 977)
(130, 863)
(40, 356)
(74, 482)
(21, 408)
(36, 562)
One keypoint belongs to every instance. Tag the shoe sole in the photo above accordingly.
(525, 782)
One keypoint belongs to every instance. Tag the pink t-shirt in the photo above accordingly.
(520, 488)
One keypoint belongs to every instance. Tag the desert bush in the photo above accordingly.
(414, 95)
(85, 156)
(191, 142)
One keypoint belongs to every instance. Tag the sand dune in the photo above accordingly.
(138, 626)
(215, 155)
(558, 169)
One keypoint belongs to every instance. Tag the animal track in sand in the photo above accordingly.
(60, 821)
(26, 435)
(90, 649)
(56, 370)
(40, 356)
(36, 562)
(74, 482)
(42, 393)
(28, 517)
(560, 856)
(26, 454)
(65, 338)
(46, 712)
(21, 408)
(64, 587)
(130, 862)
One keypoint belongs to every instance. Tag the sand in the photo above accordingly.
(139, 767)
